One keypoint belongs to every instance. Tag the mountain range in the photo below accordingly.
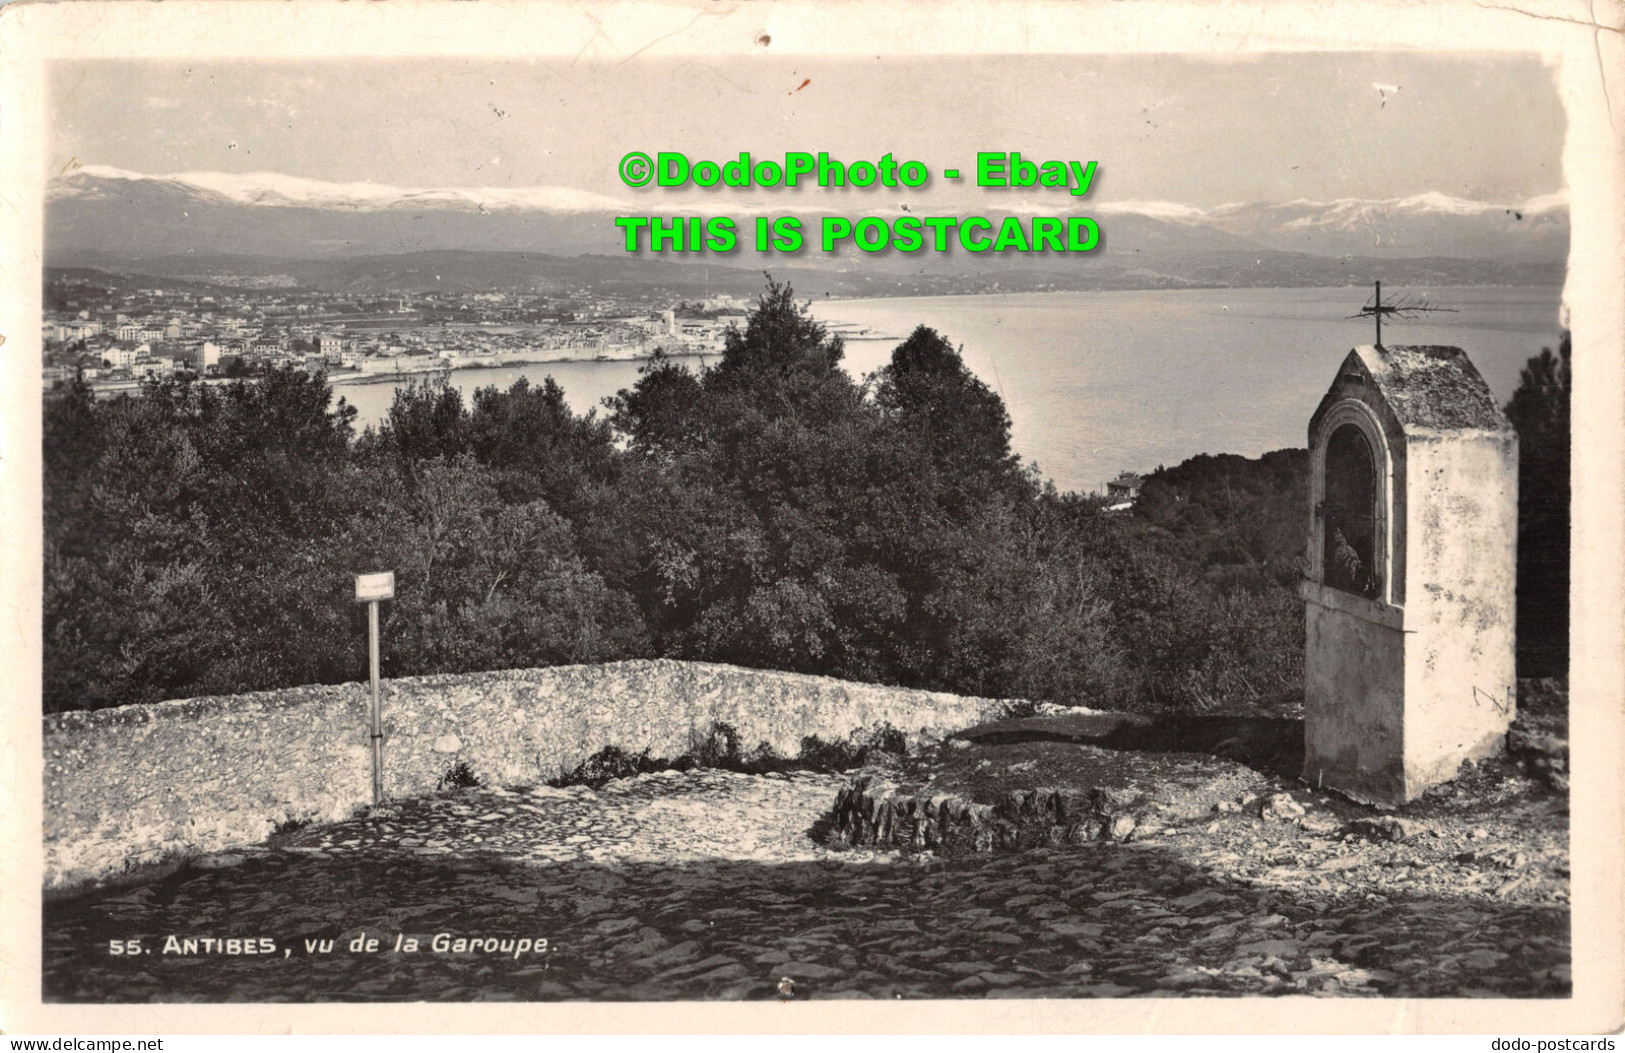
(200, 222)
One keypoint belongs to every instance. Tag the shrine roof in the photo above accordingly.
(1432, 386)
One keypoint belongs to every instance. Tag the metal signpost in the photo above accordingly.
(369, 589)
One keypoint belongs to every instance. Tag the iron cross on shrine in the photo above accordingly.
(1405, 307)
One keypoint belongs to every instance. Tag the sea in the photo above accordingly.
(1102, 382)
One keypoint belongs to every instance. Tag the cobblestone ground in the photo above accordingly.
(709, 886)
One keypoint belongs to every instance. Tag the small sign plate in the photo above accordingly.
(380, 586)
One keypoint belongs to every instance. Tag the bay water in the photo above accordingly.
(1098, 382)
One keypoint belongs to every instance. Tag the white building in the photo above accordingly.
(331, 348)
(381, 364)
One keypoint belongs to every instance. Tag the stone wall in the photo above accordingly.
(131, 785)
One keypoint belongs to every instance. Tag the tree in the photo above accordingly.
(657, 414)
(536, 447)
(960, 424)
(780, 340)
(427, 419)
(769, 512)
(72, 447)
(185, 539)
(484, 584)
(1539, 410)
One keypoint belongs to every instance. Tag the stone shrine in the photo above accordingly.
(1409, 593)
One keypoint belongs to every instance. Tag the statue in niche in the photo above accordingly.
(1350, 514)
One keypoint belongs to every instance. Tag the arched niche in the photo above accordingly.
(1348, 543)
(1352, 543)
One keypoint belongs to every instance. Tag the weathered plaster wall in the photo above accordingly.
(131, 784)
(1459, 616)
(1353, 702)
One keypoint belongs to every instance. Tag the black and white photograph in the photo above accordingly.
(612, 517)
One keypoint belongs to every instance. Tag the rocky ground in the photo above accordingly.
(717, 885)
(1220, 793)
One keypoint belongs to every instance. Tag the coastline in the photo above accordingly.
(357, 379)
(1136, 290)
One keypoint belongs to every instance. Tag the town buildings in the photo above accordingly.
(111, 333)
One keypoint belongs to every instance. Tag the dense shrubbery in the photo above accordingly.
(769, 512)
(202, 540)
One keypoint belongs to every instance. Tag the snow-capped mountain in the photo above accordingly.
(109, 210)
(1430, 224)
(275, 190)
(97, 209)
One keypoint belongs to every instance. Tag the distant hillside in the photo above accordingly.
(462, 271)
(1233, 515)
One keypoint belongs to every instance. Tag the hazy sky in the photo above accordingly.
(1190, 130)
